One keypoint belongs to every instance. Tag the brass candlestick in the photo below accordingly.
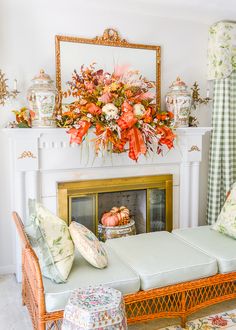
(196, 98)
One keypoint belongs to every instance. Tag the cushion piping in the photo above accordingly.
(168, 271)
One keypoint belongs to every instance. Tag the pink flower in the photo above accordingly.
(218, 320)
(105, 98)
(146, 96)
(120, 70)
(89, 86)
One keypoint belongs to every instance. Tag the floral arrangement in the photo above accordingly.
(23, 118)
(120, 106)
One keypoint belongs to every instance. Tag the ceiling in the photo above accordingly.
(208, 11)
(205, 11)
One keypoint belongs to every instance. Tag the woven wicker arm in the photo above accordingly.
(32, 283)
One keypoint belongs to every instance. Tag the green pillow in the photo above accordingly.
(226, 222)
(51, 240)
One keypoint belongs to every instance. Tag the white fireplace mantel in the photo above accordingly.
(41, 157)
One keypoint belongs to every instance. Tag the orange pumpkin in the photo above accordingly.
(110, 219)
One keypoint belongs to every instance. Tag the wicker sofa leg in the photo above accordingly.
(183, 322)
(41, 325)
(183, 317)
(23, 294)
(23, 285)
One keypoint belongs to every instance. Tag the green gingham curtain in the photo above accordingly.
(222, 167)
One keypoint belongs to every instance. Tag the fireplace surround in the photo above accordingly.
(41, 158)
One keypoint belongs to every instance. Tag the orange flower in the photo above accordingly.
(126, 107)
(148, 116)
(170, 114)
(163, 117)
(32, 114)
(93, 109)
(128, 93)
(77, 134)
(69, 114)
(167, 136)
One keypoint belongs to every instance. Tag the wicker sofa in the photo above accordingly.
(160, 275)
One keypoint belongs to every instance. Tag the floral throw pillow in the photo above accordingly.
(51, 240)
(88, 245)
(226, 222)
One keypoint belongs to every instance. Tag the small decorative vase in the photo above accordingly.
(42, 97)
(178, 101)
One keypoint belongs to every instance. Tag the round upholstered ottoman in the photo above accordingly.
(95, 308)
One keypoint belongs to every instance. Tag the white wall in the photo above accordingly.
(27, 30)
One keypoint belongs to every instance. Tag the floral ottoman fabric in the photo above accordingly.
(226, 320)
(95, 308)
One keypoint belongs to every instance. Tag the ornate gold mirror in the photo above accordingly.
(106, 51)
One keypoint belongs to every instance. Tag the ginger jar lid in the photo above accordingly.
(178, 84)
(42, 78)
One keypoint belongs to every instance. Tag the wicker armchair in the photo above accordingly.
(178, 300)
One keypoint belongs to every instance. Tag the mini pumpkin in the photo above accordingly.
(124, 211)
(115, 209)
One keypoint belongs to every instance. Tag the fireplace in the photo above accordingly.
(149, 199)
(40, 158)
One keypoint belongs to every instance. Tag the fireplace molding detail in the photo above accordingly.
(40, 158)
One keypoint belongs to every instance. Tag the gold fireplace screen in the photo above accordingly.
(149, 199)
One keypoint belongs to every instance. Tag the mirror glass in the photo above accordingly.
(73, 52)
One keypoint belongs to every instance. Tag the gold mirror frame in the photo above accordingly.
(111, 38)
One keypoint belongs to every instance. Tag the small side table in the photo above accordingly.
(98, 308)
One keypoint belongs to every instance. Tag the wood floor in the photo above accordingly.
(13, 316)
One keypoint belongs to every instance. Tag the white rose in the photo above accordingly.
(110, 111)
(139, 110)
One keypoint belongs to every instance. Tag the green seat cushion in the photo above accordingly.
(116, 275)
(215, 244)
(162, 259)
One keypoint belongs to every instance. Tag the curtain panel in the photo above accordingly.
(222, 166)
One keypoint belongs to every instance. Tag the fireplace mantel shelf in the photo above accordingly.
(42, 157)
(61, 131)
(28, 145)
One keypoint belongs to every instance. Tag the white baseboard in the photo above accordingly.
(10, 269)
